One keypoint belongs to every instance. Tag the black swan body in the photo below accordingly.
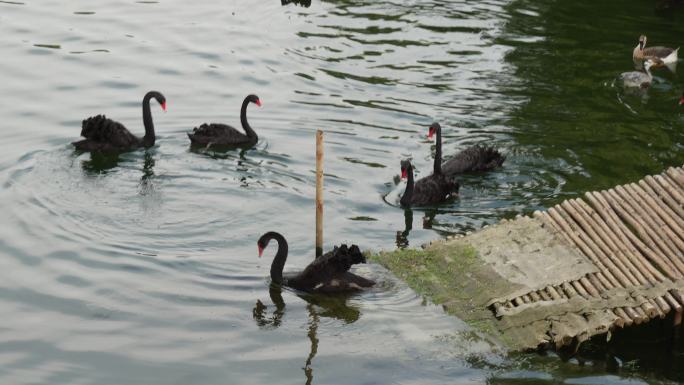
(432, 189)
(472, 159)
(108, 136)
(217, 134)
(328, 273)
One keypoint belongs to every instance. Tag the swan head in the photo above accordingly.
(405, 168)
(264, 239)
(261, 245)
(642, 42)
(433, 128)
(254, 99)
(158, 97)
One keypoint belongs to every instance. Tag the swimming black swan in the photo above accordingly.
(432, 189)
(217, 134)
(472, 159)
(328, 273)
(105, 135)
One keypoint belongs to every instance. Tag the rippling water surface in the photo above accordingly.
(142, 268)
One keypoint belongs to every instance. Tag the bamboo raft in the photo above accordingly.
(610, 259)
(634, 235)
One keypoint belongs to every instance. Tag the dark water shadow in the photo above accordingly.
(146, 181)
(99, 163)
(402, 235)
(303, 3)
(428, 221)
(318, 305)
(330, 306)
(655, 349)
(221, 152)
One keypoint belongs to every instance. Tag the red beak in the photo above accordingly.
(261, 250)
(404, 174)
(430, 133)
(164, 106)
(258, 102)
(681, 101)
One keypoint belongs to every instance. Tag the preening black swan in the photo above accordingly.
(328, 273)
(105, 135)
(217, 134)
(432, 189)
(472, 159)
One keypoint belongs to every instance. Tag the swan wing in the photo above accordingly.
(218, 134)
(433, 189)
(101, 129)
(473, 159)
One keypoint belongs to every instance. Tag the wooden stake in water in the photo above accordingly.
(319, 193)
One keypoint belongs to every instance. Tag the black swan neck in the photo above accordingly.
(438, 152)
(408, 193)
(243, 120)
(149, 138)
(281, 256)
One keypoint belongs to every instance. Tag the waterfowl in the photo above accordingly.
(640, 79)
(472, 159)
(432, 189)
(108, 136)
(218, 134)
(641, 52)
(328, 273)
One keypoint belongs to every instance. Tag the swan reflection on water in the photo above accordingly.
(303, 3)
(428, 220)
(318, 305)
(99, 163)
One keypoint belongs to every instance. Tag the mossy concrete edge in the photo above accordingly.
(451, 274)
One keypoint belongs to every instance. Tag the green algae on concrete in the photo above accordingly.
(469, 274)
(452, 275)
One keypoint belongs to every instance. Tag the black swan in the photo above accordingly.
(105, 135)
(432, 189)
(472, 159)
(217, 134)
(328, 273)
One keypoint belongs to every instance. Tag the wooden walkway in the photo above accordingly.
(608, 260)
(634, 235)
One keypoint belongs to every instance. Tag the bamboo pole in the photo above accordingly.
(666, 183)
(319, 193)
(653, 185)
(677, 175)
(626, 315)
(600, 247)
(643, 233)
(659, 231)
(598, 201)
(632, 260)
(621, 267)
(616, 231)
(663, 211)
